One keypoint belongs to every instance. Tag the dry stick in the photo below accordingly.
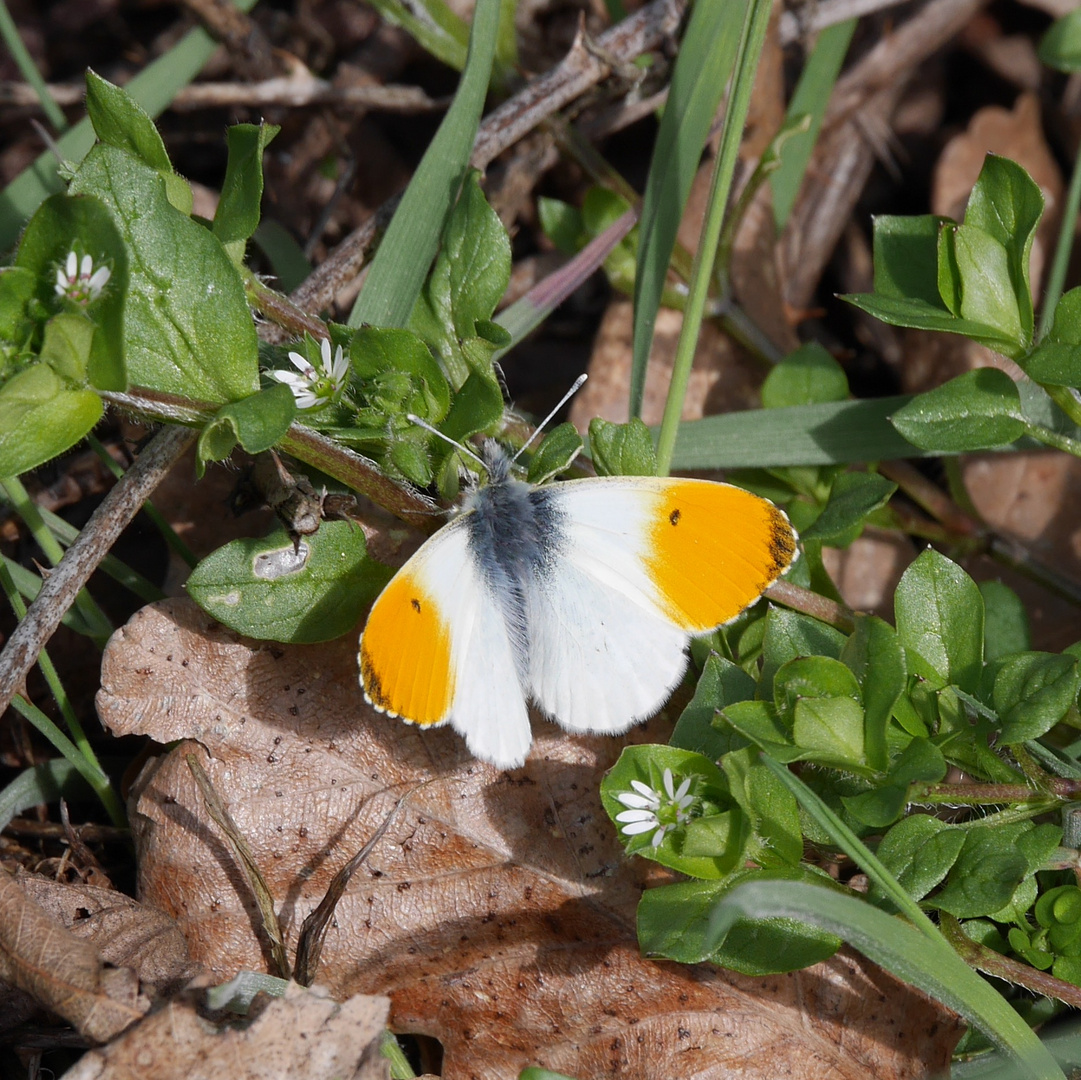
(291, 91)
(59, 589)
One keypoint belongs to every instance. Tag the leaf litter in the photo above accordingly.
(497, 913)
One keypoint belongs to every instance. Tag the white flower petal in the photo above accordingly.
(637, 815)
(638, 827)
(98, 280)
(658, 836)
(668, 783)
(86, 267)
(628, 798)
(645, 789)
(302, 365)
(324, 350)
(681, 792)
(72, 266)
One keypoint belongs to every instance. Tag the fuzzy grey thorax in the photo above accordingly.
(515, 535)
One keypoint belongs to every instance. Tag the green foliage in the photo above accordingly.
(268, 588)
(622, 449)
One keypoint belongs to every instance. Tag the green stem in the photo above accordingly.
(149, 508)
(1056, 276)
(1053, 438)
(1065, 399)
(751, 42)
(27, 509)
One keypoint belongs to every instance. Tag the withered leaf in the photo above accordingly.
(497, 912)
(65, 974)
(304, 1034)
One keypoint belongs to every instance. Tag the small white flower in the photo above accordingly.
(81, 283)
(315, 386)
(655, 810)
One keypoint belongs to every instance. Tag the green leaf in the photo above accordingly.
(721, 683)
(877, 658)
(1060, 47)
(906, 261)
(1033, 692)
(883, 805)
(556, 454)
(83, 224)
(760, 722)
(66, 345)
(987, 871)
(769, 807)
(468, 279)
(830, 731)
(478, 406)
(561, 223)
(266, 589)
(674, 921)
(790, 634)
(931, 965)
(978, 410)
(703, 68)
(853, 496)
(46, 782)
(401, 264)
(17, 286)
(1006, 628)
(377, 352)
(237, 216)
(813, 677)
(622, 449)
(1057, 359)
(257, 423)
(808, 376)
(187, 327)
(435, 26)
(1006, 204)
(121, 122)
(40, 418)
(939, 614)
(987, 291)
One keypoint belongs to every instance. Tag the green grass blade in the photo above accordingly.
(931, 966)
(826, 434)
(702, 71)
(752, 38)
(44, 783)
(153, 88)
(412, 238)
(28, 69)
(811, 97)
(442, 33)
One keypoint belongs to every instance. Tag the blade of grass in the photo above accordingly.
(28, 585)
(752, 38)
(811, 97)
(153, 88)
(45, 782)
(28, 69)
(28, 510)
(95, 777)
(81, 744)
(931, 966)
(405, 254)
(706, 59)
(443, 34)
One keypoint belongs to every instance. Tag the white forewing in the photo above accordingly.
(603, 655)
(488, 707)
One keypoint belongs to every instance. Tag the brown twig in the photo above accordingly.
(59, 589)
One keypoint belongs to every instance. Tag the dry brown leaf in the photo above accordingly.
(66, 975)
(304, 1034)
(498, 910)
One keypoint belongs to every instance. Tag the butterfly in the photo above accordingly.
(581, 596)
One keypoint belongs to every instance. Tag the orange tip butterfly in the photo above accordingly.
(581, 596)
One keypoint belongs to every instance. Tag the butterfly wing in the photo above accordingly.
(644, 564)
(435, 650)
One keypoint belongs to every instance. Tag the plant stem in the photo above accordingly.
(752, 40)
(1053, 438)
(1056, 276)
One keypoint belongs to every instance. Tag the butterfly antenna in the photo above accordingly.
(544, 423)
(446, 438)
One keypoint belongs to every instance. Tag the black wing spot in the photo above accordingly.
(674, 516)
(416, 605)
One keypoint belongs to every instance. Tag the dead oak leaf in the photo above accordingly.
(304, 1034)
(497, 912)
